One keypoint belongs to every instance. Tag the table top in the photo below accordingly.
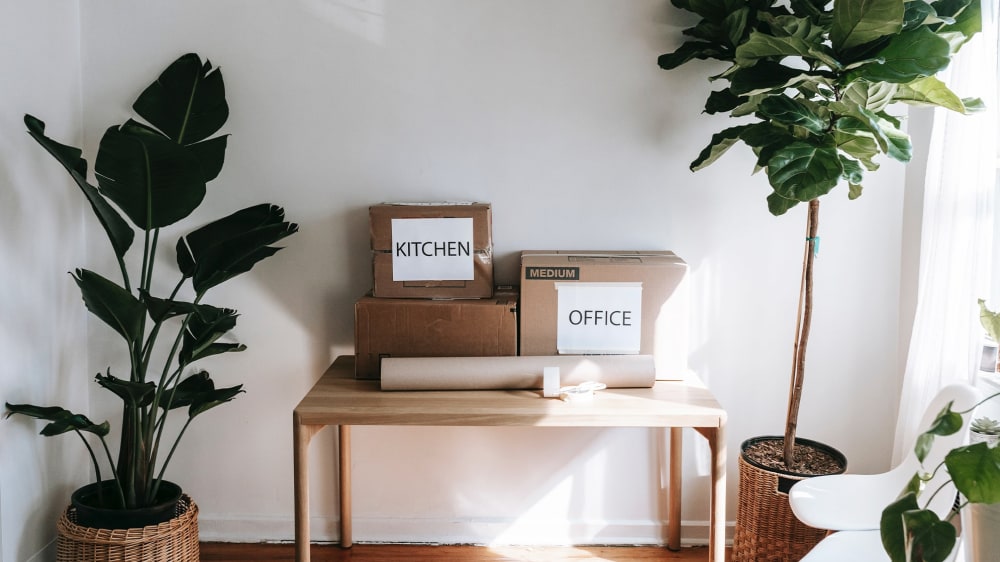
(340, 399)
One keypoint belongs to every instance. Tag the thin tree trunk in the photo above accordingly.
(803, 323)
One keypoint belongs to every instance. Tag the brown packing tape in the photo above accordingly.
(519, 372)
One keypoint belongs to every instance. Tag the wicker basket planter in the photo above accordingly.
(173, 541)
(766, 528)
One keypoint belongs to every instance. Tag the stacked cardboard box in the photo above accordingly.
(606, 302)
(433, 294)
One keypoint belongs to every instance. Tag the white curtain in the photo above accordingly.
(956, 244)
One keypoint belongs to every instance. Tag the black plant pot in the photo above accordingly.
(90, 512)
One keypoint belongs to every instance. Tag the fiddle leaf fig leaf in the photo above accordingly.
(690, 50)
(929, 91)
(721, 142)
(766, 76)
(854, 191)
(966, 20)
(62, 419)
(783, 109)
(119, 232)
(761, 46)
(856, 22)
(778, 205)
(853, 173)
(107, 300)
(909, 56)
(804, 171)
(975, 469)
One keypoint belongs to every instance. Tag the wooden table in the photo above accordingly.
(341, 400)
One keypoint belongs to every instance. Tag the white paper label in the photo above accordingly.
(432, 249)
(599, 317)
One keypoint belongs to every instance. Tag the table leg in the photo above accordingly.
(301, 436)
(717, 518)
(346, 539)
(674, 490)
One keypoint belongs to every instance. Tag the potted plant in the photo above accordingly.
(155, 173)
(913, 533)
(813, 82)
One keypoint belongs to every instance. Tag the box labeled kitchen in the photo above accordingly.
(606, 302)
(433, 250)
(388, 327)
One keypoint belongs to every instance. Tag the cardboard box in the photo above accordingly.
(438, 250)
(433, 328)
(601, 302)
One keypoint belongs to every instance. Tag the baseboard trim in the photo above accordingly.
(457, 531)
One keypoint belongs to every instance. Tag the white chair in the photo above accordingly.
(853, 503)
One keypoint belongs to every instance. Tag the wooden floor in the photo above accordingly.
(429, 553)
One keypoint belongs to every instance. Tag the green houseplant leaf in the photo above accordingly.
(231, 245)
(864, 21)
(119, 233)
(975, 470)
(117, 307)
(155, 181)
(62, 419)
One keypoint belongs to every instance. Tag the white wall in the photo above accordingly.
(43, 356)
(556, 113)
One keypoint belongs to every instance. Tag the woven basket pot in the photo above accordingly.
(766, 528)
(175, 540)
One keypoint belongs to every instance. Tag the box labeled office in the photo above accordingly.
(435, 250)
(385, 327)
(601, 302)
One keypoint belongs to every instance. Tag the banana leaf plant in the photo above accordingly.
(813, 83)
(155, 173)
(913, 533)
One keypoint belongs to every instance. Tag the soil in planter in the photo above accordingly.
(808, 460)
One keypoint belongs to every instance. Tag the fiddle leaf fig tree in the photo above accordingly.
(812, 83)
(156, 174)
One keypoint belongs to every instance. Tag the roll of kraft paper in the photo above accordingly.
(514, 373)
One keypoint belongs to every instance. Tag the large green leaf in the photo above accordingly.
(947, 422)
(135, 394)
(767, 76)
(804, 171)
(203, 330)
(231, 245)
(908, 56)
(199, 393)
(788, 111)
(62, 419)
(928, 536)
(975, 470)
(691, 50)
(967, 21)
(762, 46)
(118, 231)
(107, 300)
(859, 143)
(857, 22)
(187, 102)
(872, 96)
(720, 143)
(891, 526)
(929, 91)
(778, 205)
(153, 180)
